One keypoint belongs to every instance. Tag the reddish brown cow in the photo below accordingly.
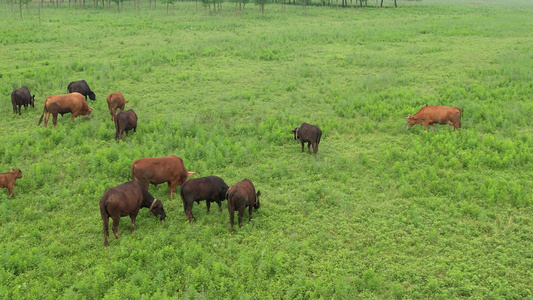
(62, 104)
(115, 101)
(429, 115)
(156, 170)
(7, 180)
(126, 200)
(242, 195)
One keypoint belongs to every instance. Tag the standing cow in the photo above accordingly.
(7, 180)
(242, 195)
(64, 104)
(210, 188)
(429, 115)
(115, 101)
(20, 97)
(126, 200)
(309, 134)
(81, 87)
(156, 170)
(125, 121)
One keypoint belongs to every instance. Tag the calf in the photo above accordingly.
(115, 101)
(7, 180)
(210, 189)
(125, 121)
(309, 134)
(126, 200)
(429, 115)
(81, 87)
(242, 195)
(20, 97)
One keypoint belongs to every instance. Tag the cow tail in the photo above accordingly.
(319, 137)
(460, 117)
(42, 115)
(103, 208)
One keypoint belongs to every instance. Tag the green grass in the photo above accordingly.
(384, 212)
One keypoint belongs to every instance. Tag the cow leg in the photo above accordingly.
(208, 204)
(116, 220)
(231, 211)
(54, 120)
(46, 117)
(241, 215)
(302, 146)
(219, 205)
(309, 147)
(20, 110)
(10, 188)
(14, 108)
(132, 217)
(171, 188)
(106, 229)
(250, 212)
(315, 148)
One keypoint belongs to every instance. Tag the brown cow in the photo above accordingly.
(115, 101)
(242, 195)
(429, 115)
(62, 104)
(309, 134)
(126, 200)
(156, 170)
(7, 180)
(210, 189)
(125, 121)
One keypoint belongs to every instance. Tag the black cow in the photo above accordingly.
(81, 87)
(125, 121)
(309, 134)
(126, 200)
(210, 189)
(22, 96)
(242, 195)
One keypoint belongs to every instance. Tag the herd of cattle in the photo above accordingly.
(128, 198)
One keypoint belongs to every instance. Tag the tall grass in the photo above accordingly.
(384, 212)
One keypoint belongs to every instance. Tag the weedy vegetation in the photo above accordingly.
(383, 212)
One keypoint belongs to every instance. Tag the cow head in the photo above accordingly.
(32, 101)
(89, 112)
(18, 173)
(256, 204)
(157, 209)
(295, 131)
(410, 121)
(92, 96)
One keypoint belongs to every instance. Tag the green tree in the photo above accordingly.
(21, 3)
(261, 4)
(168, 2)
(118, 4)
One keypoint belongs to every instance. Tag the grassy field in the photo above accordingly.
(384, 212)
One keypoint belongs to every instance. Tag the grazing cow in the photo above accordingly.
(7, 180)
(309, 134)
(81, 87)
(156, 170)
(429, 115)
(125, 121)
(64, 104)
(115, 101)
(22, 96)
(242, 195)
(126, 200)
(210, 189)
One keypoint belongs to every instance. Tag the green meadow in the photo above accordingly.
(384, 212)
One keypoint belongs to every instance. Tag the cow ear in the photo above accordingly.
(91, 109)
(189, 174)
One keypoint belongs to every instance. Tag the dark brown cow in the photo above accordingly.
(210, 189)
(81, 87)
(64, 104)
(429, 115)
(242, 195)
(156, 170)
(126, 200)
(125, 121)
(309, 134)
(22, 96)
(115, 101)
(7, 180)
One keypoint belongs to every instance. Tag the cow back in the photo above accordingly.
(73, 102)
(242, 193)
